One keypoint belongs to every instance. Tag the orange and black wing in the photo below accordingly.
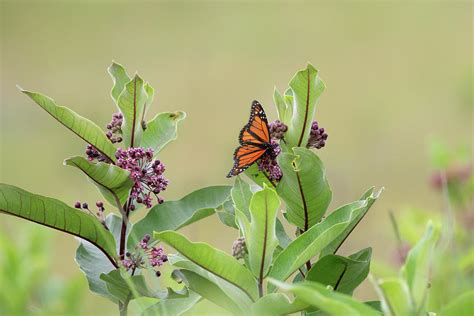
(254, 140)
(244, 157)
(256, 131)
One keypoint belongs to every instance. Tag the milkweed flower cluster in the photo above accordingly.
(146, 173)
(115, 128)
(318, 136)
(145, 255)
(100, 210)
(269, 164)
(239, 248)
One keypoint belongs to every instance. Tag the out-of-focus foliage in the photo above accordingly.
(29, 286)
(453, 260)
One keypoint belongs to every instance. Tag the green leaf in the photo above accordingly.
(150, 92)
(327, 300)
(308, 244)
(207, 289)
(226, 214)
(277, 304)
(174, 306)
(258, 176)
(368, 198)
(284, 111)
(173, 215)
(259, 232)
(112, 181)
(93, 262)
(120, 78)
(304, 187)
(461, 305)
(341, 273)
(416, 270)
(283, 239)
(131, 103)
(395, 297)
(82, 127)
(233, 292)
(241, 196)
(57, 215)
(215, 261)
(306, 87)
(123, 289)
(161, 130)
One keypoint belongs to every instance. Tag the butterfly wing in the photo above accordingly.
(254, 140)
(256, 131)
(244, 157)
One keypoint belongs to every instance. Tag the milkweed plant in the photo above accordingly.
(266, 271)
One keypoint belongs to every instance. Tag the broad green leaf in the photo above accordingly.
(258, 176)
(93, 262)
(57, 215)
(161, 130)
(122, 289)
(241, 196)
(461, 305)
(308, 244)
(82, 127)
(207, 289)
(276, 304)
(150, 92)
(236, 294)
(396, 300)
(304, 187)
(416, 270)
(283, 238)
(368, 198)
(284, 111)
(226, 214)
(341, 273)
(259, 232)
(174, 306)
(306, 87)
(172, 215)
(131, 103)
(120, 78)
(112, 181)
(214, 260)
(325, 299)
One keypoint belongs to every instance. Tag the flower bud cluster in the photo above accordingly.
(115, 128)
(269, 164)
(318, 136)
(146, 173)
(239, 248)
(146, 255)
(277, 129)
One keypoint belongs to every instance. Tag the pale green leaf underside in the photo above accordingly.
(172, 215)
(214, 260)
(233, 292)
(306, 87)
(275, 304)
(161, 130)
(396, 297)
(327, 300)
(310, 243)
(304, 187)
(120, 79)
(56, 214)
(131, 103)
(81, 126)
(369, 197)
(259, 232)
(112, 181)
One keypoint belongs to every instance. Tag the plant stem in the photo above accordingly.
(260, 287)
(123, 232)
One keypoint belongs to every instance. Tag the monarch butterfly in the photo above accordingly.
(254, 140)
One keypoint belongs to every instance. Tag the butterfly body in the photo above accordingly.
(254, 141)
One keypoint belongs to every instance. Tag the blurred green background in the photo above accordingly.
(398, 75)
